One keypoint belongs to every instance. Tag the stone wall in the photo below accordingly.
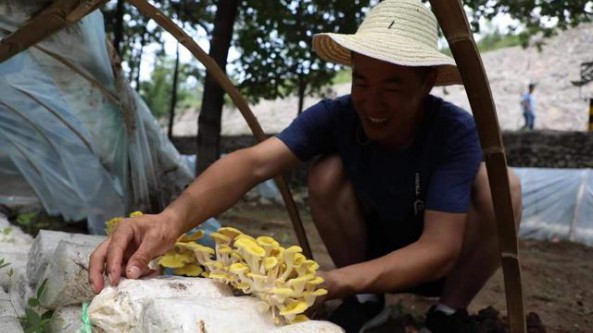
(544, 149)
(549, 149)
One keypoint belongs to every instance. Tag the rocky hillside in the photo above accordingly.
(560, 105)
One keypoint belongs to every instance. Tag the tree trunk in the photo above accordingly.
(174, 94)
(118, 29)
(302, 90)
(212, 102)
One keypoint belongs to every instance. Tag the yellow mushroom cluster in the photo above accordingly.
(283, 278)
(112, 224)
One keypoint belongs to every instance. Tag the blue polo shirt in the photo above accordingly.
(435, 172)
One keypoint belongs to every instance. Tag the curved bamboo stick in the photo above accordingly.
(56, 16)
(150, 11)
(453, 21)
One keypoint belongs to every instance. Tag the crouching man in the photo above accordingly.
(398, 190)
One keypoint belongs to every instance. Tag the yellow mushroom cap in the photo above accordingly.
(214, 265)
(136, 213)
(301, 279)
(224, 249)
(315, 281)
(195, 247)
(299, 259)
(312, 265)
(294, 249)
(238, 268)
(189, 270)
(185, 238)
(300, 318)
(270, 263)
(319, 292)
(219, 276)
(255, 250)
(294, 308)
(267, 241)
(174, 260)
(230, 232)
(220, 238)
(241, 242)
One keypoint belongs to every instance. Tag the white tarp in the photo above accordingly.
(76, 133)
(557, 204)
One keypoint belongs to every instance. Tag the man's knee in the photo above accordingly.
(326, 176)
(482, 198)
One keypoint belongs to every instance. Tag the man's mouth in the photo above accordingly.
(377, 120)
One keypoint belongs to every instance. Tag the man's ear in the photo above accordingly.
(430, 79)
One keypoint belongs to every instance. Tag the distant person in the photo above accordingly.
(528, 105)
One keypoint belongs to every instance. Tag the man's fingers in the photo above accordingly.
(97, 267)
(138, 263)
(120, 241)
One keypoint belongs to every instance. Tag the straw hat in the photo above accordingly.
(402, 32)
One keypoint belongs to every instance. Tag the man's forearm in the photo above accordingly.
(214, 191)
(412, 265)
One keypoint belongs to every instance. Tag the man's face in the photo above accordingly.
(388, 99)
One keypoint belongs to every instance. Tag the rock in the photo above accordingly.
(177, 304)
(67, 276)
(46, 243)
(9, 322)
(66, 320)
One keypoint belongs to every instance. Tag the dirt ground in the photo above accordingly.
(557, 277)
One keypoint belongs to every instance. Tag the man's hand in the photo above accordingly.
(133, 244)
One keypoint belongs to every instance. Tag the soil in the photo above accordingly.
(557, 278)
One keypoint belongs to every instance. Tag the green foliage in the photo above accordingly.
(157, 91)
(36, 320)
(274, 39)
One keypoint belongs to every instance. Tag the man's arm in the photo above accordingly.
(136, 241)
(431, 257)
(225, 182)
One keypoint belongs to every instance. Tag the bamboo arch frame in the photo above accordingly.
(452, 20)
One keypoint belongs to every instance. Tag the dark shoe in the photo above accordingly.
(356, 317)
(459, 322)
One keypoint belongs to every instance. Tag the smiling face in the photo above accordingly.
(388, 99)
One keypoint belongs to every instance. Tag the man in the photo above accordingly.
(528, 105)
(398, 191)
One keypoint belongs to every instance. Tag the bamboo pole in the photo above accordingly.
(150, 11)
(453, 21)
(56, 16)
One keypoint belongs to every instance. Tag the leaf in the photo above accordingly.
(33, 302)
(41, 289)
(32, 319)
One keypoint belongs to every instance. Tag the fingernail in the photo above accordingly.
(110, 279)
(134, 272)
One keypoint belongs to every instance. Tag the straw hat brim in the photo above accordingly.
(397, 50)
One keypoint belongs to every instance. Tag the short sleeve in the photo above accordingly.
(450, 185)
(312, 132)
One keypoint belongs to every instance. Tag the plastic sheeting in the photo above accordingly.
(76, 133)
(557, 204)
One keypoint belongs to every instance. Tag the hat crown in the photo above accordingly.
(402, 18)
